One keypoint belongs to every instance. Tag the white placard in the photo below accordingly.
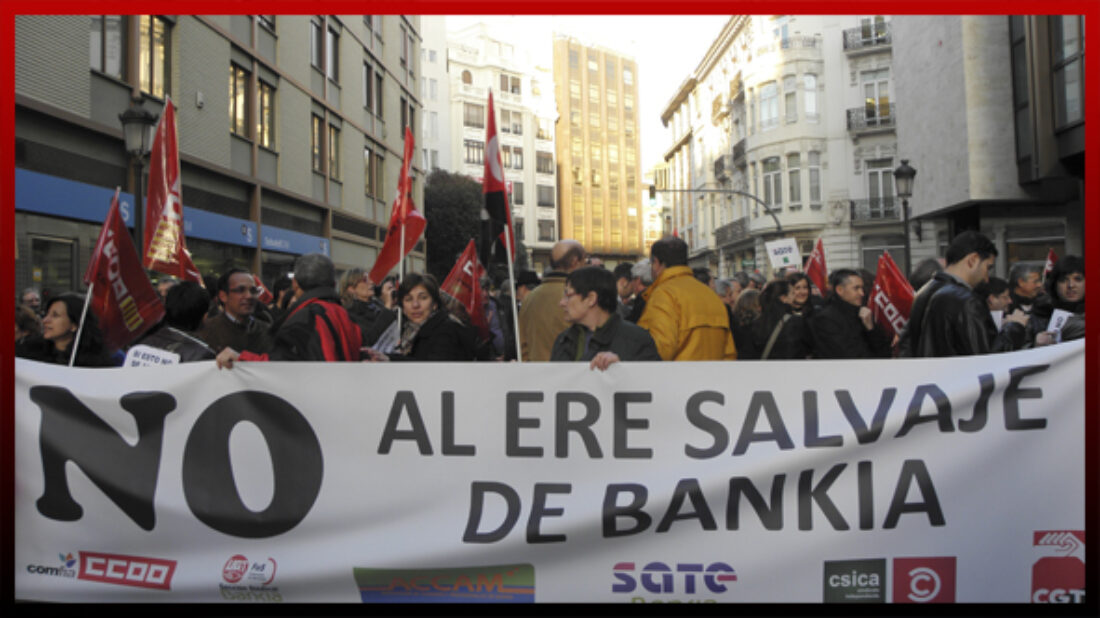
(784, 253)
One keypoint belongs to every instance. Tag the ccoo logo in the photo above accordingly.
(924, 580)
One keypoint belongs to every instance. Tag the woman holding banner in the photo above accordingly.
(429, 332)
(59, 331)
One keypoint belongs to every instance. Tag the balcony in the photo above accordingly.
(875, 210)
(732, 233)
(739, 153)
(723, 167)
(872, 118)
(868, 38)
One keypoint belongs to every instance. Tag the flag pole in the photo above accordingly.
(512, 283)
(400, 279)
(80, 328)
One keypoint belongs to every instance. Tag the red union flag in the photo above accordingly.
(123, 298)
(892, 296)
(265, 294)
(815, 267)
(464, 284)
(405, 215)
(165, 248)
(1052, 259)
(496, 196)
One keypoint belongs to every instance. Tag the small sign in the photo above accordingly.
(783, 253)
(147, 356)
(1057, 321)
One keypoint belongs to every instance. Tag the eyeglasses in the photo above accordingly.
(241, 289)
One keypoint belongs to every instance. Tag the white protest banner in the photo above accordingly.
(142, 355)
(921, 480)
(783, 253)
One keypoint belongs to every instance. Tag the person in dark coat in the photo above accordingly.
(844, 327)
(1065, 285)
(597, 333)
(185, 306)
(59, 328)
(803, 301)
(428, 330)
(745, 312)
(236, 326)
(779, 334)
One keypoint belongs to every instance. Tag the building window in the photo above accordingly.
(517, 194)
(154, 55)
(378, 81)
(512, 157)
(773, 182)
(433, 89)
(544, 162)
(433, 126)
(368, 88)
(107, 42)
(794, 179)
(510, 83)
(435, 159)
(880, 187)
(412, 118)
(546, 230)
(431, 56)
(467, 78)
(265, 127)
(809, 85)
(475, 151)
(316, 138)
(872, 29)
(545, 195)
(790, 99)
(316, 42)
(815, 177)
(769, 105)
(332, 55)
(404, 115)
(473, 115)
(628, 77)
(379, 177)
(1021, 97)
(333, 152)
(545, 130)
(511, 122)
(518, 158)
(368, 172)
(412, 59)
(404, 50)
(238, 100)
(1067, 54)
(876, 96)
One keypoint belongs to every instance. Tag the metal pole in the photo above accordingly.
(139, 209)
(905, 216)
(778, 226)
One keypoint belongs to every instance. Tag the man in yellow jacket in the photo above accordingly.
(686, 318)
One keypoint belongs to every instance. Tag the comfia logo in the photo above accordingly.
(64, 570)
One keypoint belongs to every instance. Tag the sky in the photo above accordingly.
(667, 49)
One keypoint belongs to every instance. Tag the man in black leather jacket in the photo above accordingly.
(948, 319)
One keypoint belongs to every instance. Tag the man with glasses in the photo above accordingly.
(236, 326)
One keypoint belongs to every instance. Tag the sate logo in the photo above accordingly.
(127, 570)
(507, 583)
(924, 580)
(660, 578)
(855, 581)
(1058, 576)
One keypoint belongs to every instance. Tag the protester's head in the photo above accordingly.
(185, 305)
(589, 296)
(164, 284)
(1066, 282)
(757, 281)
(847, 285)
(27, 322)
(775, 294)
(419, 294)
(238, 293)
(747, 307)
(800, 288)
(32, 298)
(742, 278)
(282, 289)
(924, 271)
(668, 252)
(641, 276)
(526, 280)
(566, 255)
(623, 279)
(702, 275)
(313, 271)
(354, 286)
(1026, 279)
(62, 320)
(970, 256)
(995, 292)
(728, 290)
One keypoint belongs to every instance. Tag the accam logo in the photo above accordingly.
(855, 581)
(660, 578)
(64, 570)
(124, 570)
(924, 580)
(508, 583)
(1059, 575)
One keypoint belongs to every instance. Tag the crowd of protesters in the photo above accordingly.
(656, 309)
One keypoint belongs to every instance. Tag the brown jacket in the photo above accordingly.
(541, 319)
(219, 332)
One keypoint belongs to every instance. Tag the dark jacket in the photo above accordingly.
(743, 341)
(442, 338)
(219, 332)
(372, 317)
(189, 348)
(956, 322)
(315, 328)
(629, 341)
(839, 333)
(911, 333)
(43, 350)
(794, 341)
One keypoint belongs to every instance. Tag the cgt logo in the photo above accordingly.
(1058, 576)
(924, 580)
(127, 570)
(659, 578)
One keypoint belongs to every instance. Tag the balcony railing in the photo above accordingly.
(739, 153)
(732, 232)
(871, 37)
(871, 118)
(876, 210)
(723, 165)
(791, 42)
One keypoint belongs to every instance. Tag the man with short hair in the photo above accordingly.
(236, 327)
(526, 282)
(185, 306)
(995, 293)
(540, 317)
(1026, 282)
(948, 319)
(33, 299)
(685, 317)
(315, 328)
(844, 327)
(597, 333)
(641, 277)
(729, 290)
(756, 281)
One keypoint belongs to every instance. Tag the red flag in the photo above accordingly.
(165, 248)
(496, 195)
(123, 298)
(464, 284)
(404, 214)
(892, 296)
(1052, 259)
(815, 267)
(265, 294)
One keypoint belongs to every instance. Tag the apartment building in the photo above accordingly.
(290, 133)
(435, 95)
(600, 185)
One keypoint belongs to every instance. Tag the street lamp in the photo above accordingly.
(138, 126)
(903, 184)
